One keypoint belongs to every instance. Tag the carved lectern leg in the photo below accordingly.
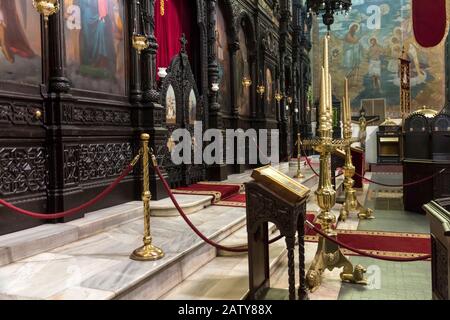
(329, 256)
(290, 244)
(302, 292)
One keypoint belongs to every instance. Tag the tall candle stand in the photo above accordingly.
(351, 203)
(329, 255)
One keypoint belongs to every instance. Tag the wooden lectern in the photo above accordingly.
(274, 197)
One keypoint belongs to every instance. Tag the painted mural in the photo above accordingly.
(223, 59)
(243, 70)
(365, 47)
(94, 34)
(20, 42)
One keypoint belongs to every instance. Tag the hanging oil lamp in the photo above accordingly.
(46, 7)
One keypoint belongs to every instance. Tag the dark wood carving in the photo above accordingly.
(84, 137)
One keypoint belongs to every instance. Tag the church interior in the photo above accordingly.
(224, 150)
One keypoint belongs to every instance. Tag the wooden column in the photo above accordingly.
(218, 171)
(284, 34)
(57, 96)
(152, 112)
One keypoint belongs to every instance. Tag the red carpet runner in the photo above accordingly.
(388, 244)
(218, 190)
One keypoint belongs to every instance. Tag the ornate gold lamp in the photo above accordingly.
(329, 255)
(46, 7)
(261, 89)
(351, 203)
(246, 82)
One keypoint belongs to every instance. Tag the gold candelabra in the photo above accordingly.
(329, 255)
(351, 203)
(299, 174)
(148, 252)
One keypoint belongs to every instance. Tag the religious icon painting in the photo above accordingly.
(95, 47)
(192, 107)
(20, 42)
(171, 106)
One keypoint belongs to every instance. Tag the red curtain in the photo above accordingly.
(177, 19)
(429, 21)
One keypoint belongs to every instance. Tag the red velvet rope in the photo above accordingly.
(314, 171)
(409, 184)
(193, 227)
(360, 252)
(73, 211)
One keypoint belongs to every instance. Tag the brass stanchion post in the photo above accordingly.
(299, 174)
(148, 252)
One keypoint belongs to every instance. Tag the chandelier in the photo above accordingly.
(328, 8)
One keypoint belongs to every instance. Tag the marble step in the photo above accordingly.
(224, 278)
(239, 239)
(98, 267)
(26, 243)
(189, 203)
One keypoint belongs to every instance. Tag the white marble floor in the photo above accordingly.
(97, 265)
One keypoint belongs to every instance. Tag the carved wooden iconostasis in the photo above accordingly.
(96, 94)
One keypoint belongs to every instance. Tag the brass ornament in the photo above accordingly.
(351, 203)
(278, 96)
(148, 252)
(329, 255)
(46, 7)
(140, 42)
(38, 114)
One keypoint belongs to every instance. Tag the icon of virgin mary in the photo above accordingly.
(13, 40)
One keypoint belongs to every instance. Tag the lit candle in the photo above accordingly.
(347, 102)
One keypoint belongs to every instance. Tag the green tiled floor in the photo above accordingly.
(390, 281)
(394, 219)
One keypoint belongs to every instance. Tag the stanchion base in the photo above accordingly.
(299, 176)
(147, 253)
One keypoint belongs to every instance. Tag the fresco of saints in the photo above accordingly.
(352, 52)
(98, 55)
(375, 53)
(13, 41)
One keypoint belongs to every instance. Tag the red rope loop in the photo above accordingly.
(311, 167)
(404, 185)
(73, 211)
(363, 253)
(191, 225)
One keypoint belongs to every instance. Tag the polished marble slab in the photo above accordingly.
(189, 203)
(98, 267)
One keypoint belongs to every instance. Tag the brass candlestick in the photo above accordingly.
(351, 203)
(299, 174)
(148, 252)
(329, 254)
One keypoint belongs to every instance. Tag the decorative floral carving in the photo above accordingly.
(23, 170)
